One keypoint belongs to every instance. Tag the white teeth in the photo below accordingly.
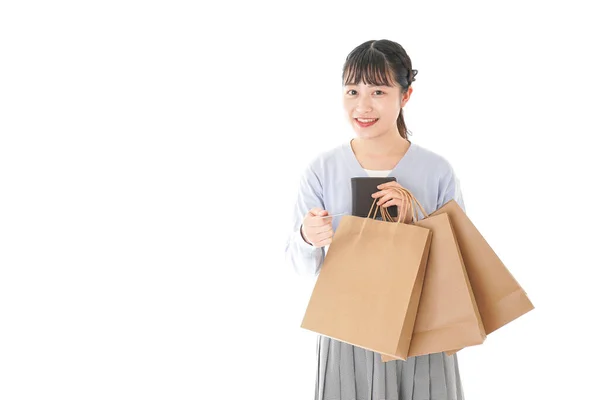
(365, 121)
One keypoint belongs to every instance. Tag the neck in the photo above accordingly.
(388, 144)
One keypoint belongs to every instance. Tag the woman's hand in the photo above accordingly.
(389, 196)
(317, 228)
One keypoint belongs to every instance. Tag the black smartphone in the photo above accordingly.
(362, 189)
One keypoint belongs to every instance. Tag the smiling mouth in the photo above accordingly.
(364, 122)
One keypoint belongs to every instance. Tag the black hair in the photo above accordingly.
(376, 62)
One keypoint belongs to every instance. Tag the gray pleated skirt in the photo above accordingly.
(347, 372)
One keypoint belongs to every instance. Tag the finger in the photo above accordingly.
(318, 226)
(388, 196)
(322, 230)
(324, 242)
(325, 217)
(394, 202)
(317, 211)
(324, 234)
(396, 189)
(383, 192)
(317, 221)
(380, 193)
(321, 237)
(388, 185)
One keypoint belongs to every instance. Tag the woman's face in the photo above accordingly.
(364, 103)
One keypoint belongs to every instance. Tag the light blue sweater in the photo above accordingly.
(325, 183)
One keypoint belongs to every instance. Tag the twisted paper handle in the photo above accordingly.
(410, 200)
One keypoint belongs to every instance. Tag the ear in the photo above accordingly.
(406, 96)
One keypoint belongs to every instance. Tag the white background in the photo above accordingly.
(150, 155)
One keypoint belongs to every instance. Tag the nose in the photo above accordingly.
(363, 104)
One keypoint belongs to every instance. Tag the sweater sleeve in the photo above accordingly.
(450, 190)
(305, 259)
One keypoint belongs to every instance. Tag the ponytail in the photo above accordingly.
(402, 125)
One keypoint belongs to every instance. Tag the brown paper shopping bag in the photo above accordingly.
(368, 289)
(499, 296)
(447, 317)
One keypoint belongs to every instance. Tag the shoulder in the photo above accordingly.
(316, 171)
(328, 158)
(437, 164)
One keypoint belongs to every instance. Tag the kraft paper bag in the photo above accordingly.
(499, 296)
(370, 283)
(447, 317)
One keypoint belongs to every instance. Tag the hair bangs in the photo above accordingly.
(370, 67)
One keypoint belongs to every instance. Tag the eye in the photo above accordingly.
(379, 91)
(351, 90)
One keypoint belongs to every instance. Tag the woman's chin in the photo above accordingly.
(366, 135)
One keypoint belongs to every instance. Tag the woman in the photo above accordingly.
(377, 77)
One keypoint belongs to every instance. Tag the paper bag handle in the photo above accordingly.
(410, 197)
(407, 193)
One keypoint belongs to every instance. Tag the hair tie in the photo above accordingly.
(415, 72)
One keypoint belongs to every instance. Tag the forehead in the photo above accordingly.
(367, 85)
(365, 73)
